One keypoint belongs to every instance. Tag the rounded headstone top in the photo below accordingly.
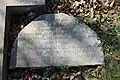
(55, 39)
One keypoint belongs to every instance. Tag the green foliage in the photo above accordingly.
(95, 74)
(109, 34)
(117, 17)
(64, 69)
(116, 30)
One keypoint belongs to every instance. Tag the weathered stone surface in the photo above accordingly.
(3, 4)
(55, 39)
(2, 23)
(22, 2)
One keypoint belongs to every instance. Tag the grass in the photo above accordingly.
(111, 48)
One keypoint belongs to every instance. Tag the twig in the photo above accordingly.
(112, 3)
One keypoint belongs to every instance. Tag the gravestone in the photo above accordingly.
(3, 4)
(55, 39)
